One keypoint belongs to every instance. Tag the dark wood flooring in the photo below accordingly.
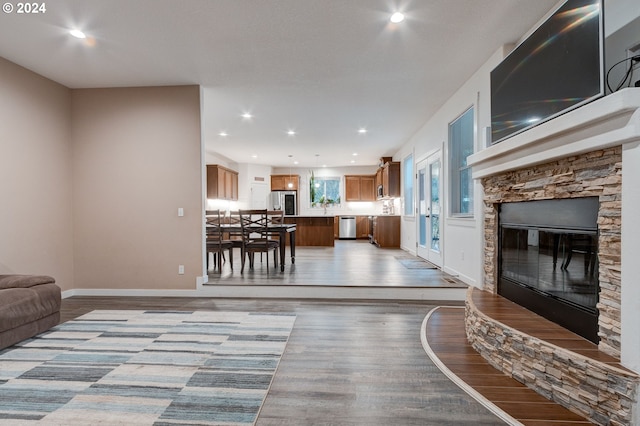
(446, 337)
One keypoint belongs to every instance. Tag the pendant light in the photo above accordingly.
(290, 184)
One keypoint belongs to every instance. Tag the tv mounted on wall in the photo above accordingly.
(557, 68)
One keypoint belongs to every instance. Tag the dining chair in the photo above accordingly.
(234, 221)
(216, 243)
(256, 236)
(275, 216)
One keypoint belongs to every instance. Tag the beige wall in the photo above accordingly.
(35, 176)
(91, 182)
(136, 160)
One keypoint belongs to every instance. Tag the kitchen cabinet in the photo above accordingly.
(313, 230)
(222, 183)
(386, 231)
(362, 227)
(391, 179)
(360, 188)
(281, 182)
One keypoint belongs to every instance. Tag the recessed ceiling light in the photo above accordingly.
(397, 17)
(254, 156)
(223, 134)
(353, 161)
(247, 115)
(296, 162)
(291, 132)
(77, 34)
(355, 154)
(362, 130)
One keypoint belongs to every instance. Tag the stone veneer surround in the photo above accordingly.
(597, 173)
(601, 391)
(581, 153)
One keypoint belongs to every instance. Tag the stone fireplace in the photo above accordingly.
(576, 155)
(590, 155)
(596, 174)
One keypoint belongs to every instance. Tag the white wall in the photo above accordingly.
(618, 13)
(250, 176)
(621, 13)
(461, 237)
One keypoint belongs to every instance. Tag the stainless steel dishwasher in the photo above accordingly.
(347, 228)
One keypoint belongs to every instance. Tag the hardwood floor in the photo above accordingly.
(351, 263)
(446, 336)
(346, 363)
(359, 362)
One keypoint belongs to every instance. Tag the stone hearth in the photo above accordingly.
(588, 152)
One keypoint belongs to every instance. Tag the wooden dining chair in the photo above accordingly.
(234, 220)
(275, 216)
(216, 243)
(256, 237)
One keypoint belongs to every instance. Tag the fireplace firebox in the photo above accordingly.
(548, 260)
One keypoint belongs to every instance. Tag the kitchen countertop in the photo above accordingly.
(314, 215)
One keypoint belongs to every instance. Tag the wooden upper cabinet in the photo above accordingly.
(368, 188)
(281, 182)
(391, 179)
(222, 183)
(352, 188)
(359, 188)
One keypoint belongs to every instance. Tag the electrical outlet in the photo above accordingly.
(180, 269)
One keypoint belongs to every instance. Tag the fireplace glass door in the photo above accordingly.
(562, 265)
(548, 260)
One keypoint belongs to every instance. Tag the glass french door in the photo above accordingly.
(429, 238)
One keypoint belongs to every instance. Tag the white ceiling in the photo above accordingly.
(324, 68)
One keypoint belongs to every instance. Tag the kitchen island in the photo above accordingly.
(313, 230)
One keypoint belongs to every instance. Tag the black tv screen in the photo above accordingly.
(557, 68)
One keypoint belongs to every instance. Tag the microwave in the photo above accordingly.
(380, 192)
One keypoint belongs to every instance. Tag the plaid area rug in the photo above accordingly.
(145, 367)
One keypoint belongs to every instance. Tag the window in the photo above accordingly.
(460, 147)
(324, 191)
(408, 185)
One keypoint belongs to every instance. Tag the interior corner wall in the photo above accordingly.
(136, 161)
(35, 176)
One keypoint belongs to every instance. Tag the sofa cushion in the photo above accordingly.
(23, 281)
(23, 305)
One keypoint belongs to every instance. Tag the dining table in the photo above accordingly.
(276, 229)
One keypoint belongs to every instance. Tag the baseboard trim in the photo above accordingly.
(288, 292)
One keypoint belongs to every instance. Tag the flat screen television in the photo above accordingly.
(557, 68)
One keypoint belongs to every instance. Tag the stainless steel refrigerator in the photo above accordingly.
(283, 200)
